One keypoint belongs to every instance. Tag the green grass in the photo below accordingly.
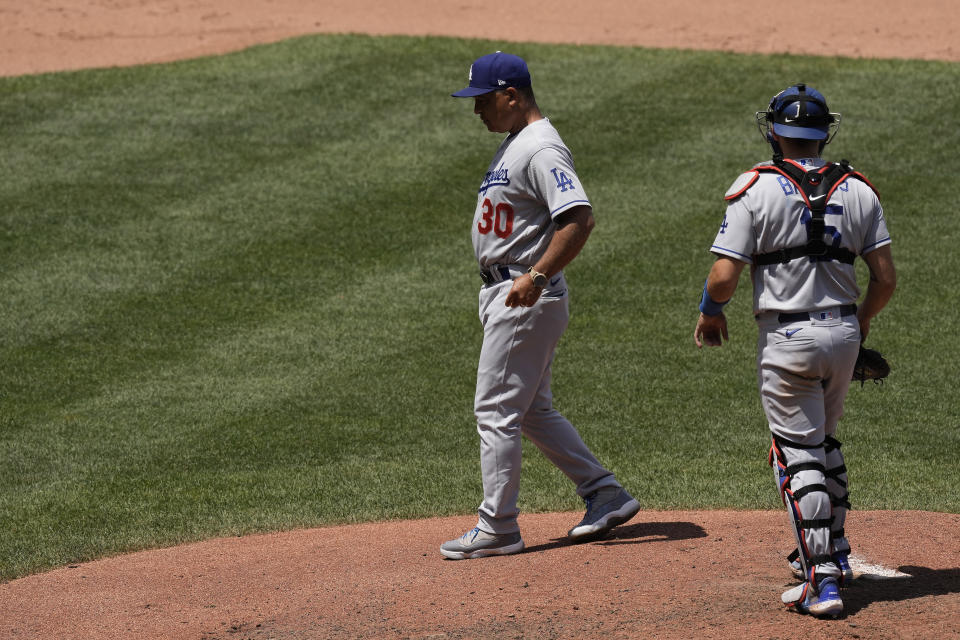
(239, 294)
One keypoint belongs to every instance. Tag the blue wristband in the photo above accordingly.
(709, 306)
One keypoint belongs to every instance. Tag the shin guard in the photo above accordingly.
(800, 473)
(839, 497)
(840, 501)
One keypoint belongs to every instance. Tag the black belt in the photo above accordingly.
(846, 310)
(489, 276)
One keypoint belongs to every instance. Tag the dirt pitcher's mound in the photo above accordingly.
(675, 574)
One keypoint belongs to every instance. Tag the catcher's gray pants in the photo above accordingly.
(804, 370)
(513, 398)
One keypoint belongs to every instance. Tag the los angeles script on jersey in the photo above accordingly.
(498, 177)
(501, 177)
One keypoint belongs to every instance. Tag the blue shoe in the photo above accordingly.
(842, 558)
(477, 543)
(606, 508)
(824, 603)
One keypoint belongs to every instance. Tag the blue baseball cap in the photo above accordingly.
(800, 112)
(493, 72)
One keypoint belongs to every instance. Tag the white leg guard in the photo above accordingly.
(800, 472)
(839, 498)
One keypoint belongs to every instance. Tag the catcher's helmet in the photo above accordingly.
(799, 111)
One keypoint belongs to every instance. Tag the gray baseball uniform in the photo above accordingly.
(809, 335)
(530, 182)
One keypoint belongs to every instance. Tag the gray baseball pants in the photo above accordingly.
(513, 399)
(804, 371)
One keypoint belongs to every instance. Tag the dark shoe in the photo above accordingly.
(606, 509)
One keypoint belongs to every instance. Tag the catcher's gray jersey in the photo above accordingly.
(772, 215)
(531, 181)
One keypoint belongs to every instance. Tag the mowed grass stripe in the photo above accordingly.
(240, 294)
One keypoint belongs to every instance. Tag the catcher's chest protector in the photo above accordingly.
(815, 187)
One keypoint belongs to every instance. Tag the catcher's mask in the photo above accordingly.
(799, 111)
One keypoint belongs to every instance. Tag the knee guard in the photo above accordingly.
(800, 473)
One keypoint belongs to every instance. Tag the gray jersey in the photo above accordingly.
(531, 181)
(772, 215)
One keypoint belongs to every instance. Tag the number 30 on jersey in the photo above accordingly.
(497, 218)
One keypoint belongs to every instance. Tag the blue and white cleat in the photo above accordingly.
(842, 558)
(825, 603)
(606, 508)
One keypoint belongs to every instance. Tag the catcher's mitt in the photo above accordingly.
(871, 365)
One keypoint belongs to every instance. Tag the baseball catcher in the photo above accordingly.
(800, 222)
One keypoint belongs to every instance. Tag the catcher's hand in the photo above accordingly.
(871, 365)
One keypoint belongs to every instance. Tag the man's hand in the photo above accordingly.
(573, 229)
(710, 329)
(720, 285)
(523, 293)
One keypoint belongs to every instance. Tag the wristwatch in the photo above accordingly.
(539, 279)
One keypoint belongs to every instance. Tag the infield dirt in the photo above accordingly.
(677, 574)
